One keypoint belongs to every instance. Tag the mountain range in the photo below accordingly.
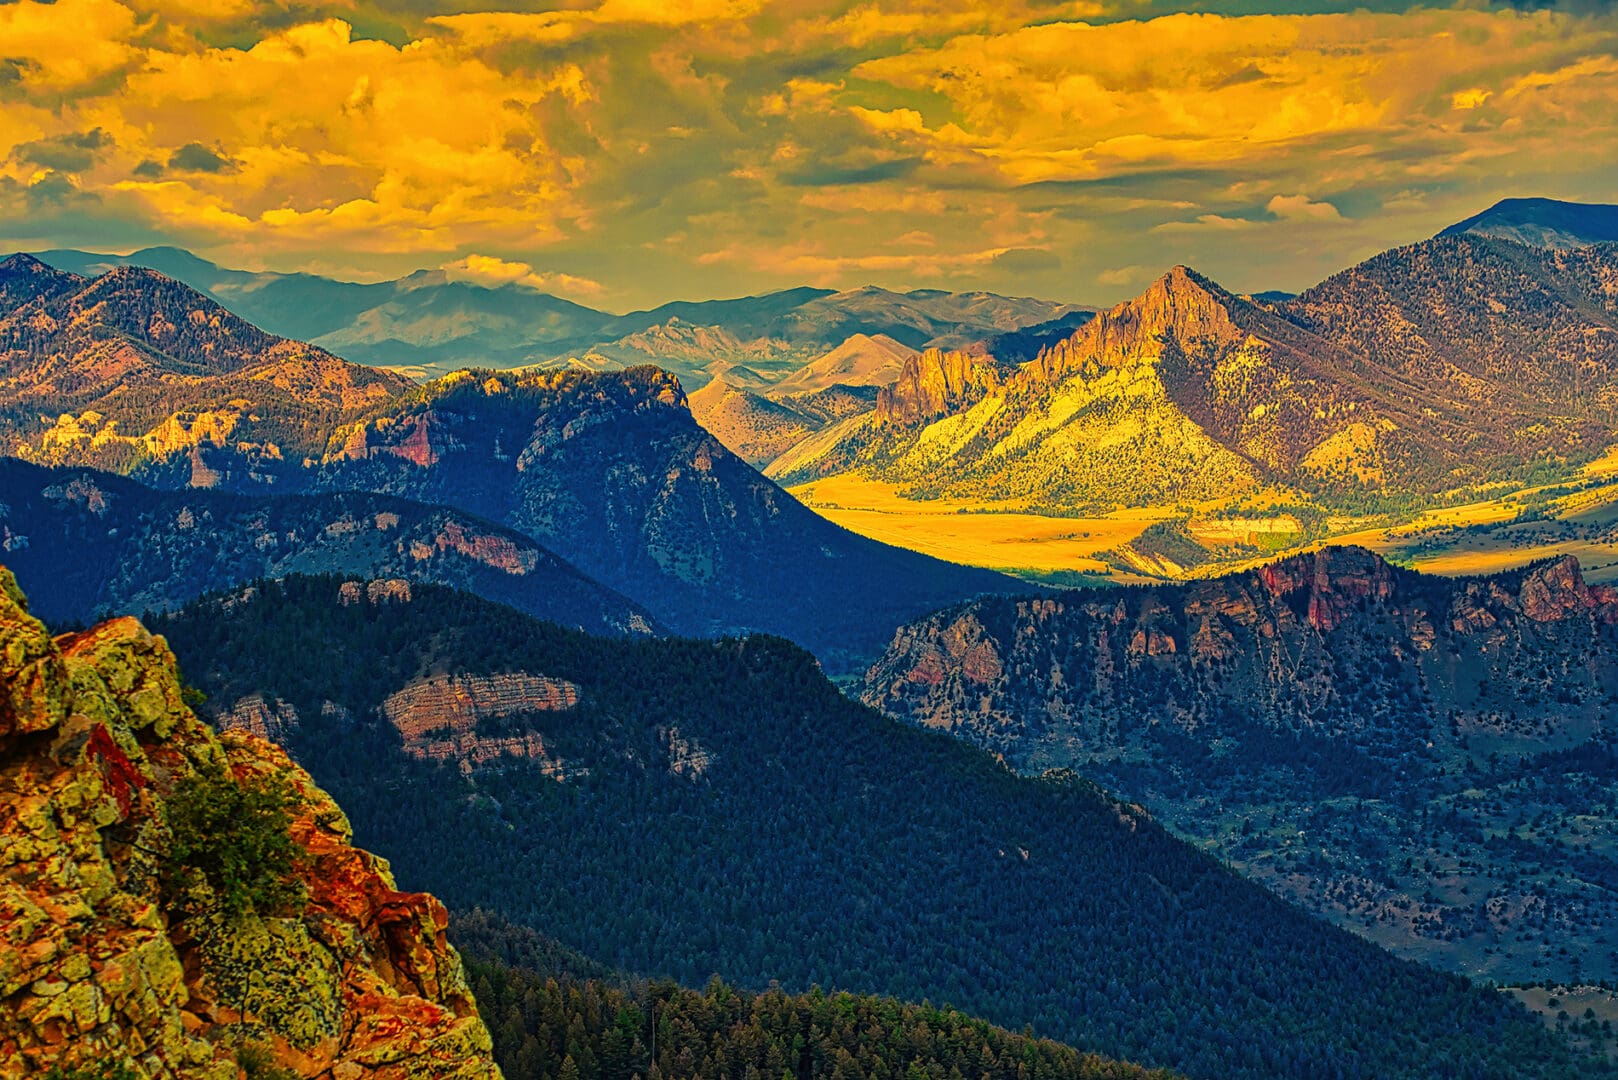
(89, 544)
(1404, 376)
(456, 605)
(139, 375)
(1421, 759)
(136, 371)
(431, 323)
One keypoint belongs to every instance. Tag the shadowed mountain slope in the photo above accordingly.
(88, 544)
(694, 807)
(1371, 741)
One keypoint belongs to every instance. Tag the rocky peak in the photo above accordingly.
(1334, 580)
(936, 383)
(1557, 590)
(98, 964)
(1182, 306)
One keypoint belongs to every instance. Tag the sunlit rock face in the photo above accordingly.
(97, 964)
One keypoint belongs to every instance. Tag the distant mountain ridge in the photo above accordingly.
(431, 324)
(89, 544)
(861, 360)
(421, 319)
(134, 371)
(1543, 223)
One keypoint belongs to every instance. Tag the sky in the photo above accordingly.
(623, 153)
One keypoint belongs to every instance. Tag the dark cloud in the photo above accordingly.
(64, 153)
(56, 192)
(1249, 74)
(194, 157)
(832, 174)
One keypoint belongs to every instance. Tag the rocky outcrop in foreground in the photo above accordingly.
(102, 961)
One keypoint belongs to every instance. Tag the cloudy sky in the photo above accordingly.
(625, 152)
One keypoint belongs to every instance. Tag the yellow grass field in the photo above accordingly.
(970, 533)
(1477, 538)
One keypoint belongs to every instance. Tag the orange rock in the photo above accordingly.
(91, 965)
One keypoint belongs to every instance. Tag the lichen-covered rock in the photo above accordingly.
(94, 965)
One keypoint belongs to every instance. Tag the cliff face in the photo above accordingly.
(1261, 708)
(97, 964)
(936, 383)
(439, 717)
(1181, 307)
(1295, 645)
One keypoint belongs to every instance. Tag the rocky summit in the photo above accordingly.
(108, 959)
(1410, 373)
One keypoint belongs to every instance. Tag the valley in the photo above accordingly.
(1522, 525)
(808, 540)
(803, 849)
(1005, 538)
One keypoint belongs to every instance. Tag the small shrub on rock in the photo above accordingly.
(233, 835)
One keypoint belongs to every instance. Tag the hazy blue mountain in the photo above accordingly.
(433, 324)
(1543, 223)
(420, 320)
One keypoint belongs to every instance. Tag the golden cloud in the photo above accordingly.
(719, 134)
(494, 272)
(320, 137)
(60, 46)
(1074, 101)
(1301, 208)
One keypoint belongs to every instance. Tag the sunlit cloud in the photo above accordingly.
(495, 272)
(57, 47)
(723, 146)
(1301, 208)
(1205, 223)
